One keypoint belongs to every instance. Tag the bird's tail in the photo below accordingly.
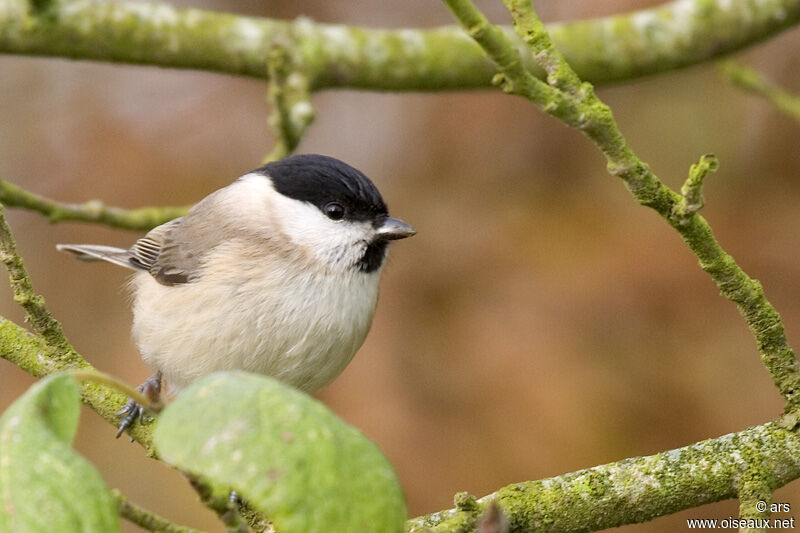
(98, 252)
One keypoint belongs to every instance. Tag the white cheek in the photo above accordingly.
(335, 242)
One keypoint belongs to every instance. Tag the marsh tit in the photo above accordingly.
(276, 274)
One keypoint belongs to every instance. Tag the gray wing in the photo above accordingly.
(173, 252)
(164, 252)
(148, 253)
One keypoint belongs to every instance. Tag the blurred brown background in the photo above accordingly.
(539, 323)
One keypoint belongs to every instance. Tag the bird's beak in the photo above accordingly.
(393, 229)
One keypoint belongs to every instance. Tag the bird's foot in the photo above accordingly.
(131, 411)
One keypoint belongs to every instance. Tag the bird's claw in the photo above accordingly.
(132, 411)
(129, 413)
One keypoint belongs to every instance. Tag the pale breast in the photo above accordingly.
(302, 329)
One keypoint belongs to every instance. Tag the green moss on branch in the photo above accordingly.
(146, 519)
(638, 489)
(754, 82)
(48, 350)
(35, 356)
(669, 36)
(37, 314)
(141, 219)
(692, 190)
(289, 94)
(602, 50)
(575, 103)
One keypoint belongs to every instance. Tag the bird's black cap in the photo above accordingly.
(320, 179)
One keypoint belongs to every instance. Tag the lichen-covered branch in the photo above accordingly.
(48, 350)
(634, 490)
(220, 500)
(33, 355)
(755, 498)
(153, 405)
(692, 189)
(289, 94)
(576, 104)
(37, 314)
(141, 219)
(754, 82)
(674, 35)
(677, 34)
(146, 519)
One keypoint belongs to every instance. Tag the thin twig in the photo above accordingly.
(37, 314)
(141, 219)
(754, 82)
(579, 107)
(692, 189)
(93, 376)
(146, 519)
(220, 501)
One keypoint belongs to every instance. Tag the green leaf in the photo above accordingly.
(284, 452)
(44, 484)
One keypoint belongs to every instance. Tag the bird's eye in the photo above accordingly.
(334, 211)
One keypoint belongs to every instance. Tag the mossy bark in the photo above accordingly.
(601, 50)
(140, 219)
(637, 489)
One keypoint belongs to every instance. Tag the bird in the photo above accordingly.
(276, 274)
